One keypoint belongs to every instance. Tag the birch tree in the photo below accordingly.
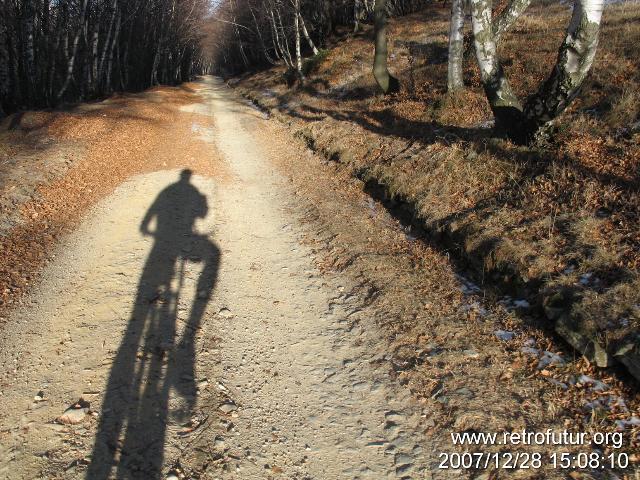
(310, 41)
(456, 46)
(296, 23)
(362, 11)
(500, 25)
(72, 59)
(575, 57)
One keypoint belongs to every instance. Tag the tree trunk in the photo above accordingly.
(275, 39)
(18, 92)
(158, 39)
(387, 83)
(153, 80)
(123, 70)
(5, 79)
(504, 104)
(283, 53)
(575, 58)
(93, 78)
(260, 37)
(108, 83)
(456, 46)
(508, 17)
(358, 14)
(240, 42)
(504, 21)
(296, 26)
(106, 47)
(305, 32)
(74, 50)
(28, 31)
(285, 40)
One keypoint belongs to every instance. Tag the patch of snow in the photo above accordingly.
(486, 124)
(585, 278)
(530, 351)
(475, 306)
(467, 286)
(510, 304)
(504, 335)
(624, 424)
(550, 358)
(608, 403)
(596, 385)
(557, 383)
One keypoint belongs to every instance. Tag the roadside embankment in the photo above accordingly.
(556, 225)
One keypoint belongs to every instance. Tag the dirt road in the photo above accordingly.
(187, 327)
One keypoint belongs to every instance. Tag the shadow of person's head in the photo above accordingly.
(185, 175)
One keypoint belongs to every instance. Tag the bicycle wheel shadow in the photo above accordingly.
(152, 366)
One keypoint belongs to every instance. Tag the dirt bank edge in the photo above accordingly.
(558, 305)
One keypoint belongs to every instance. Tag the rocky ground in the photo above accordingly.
(262, 317)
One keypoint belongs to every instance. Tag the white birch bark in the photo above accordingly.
(505, 105)
(275, 39)
(508, 17)
(284, 54)
(74, 50)
(114, 43)
(258, 29)
(296, 26)
(305, 32)
(575, 58)
(456, 46)
(107, 43)
(285, 40)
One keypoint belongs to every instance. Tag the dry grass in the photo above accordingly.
(532, 220)
(442, 344)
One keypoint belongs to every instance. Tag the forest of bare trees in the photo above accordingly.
(252, 33)
(69, 50)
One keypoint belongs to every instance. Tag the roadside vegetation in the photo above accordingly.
(550, 217)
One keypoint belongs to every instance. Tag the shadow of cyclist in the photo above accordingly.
(151, 362)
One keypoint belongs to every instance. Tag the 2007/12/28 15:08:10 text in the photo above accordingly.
(525, 460)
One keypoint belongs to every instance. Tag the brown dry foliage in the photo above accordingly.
(112, 140)
(529, 217)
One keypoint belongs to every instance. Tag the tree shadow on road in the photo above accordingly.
(152, 363)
